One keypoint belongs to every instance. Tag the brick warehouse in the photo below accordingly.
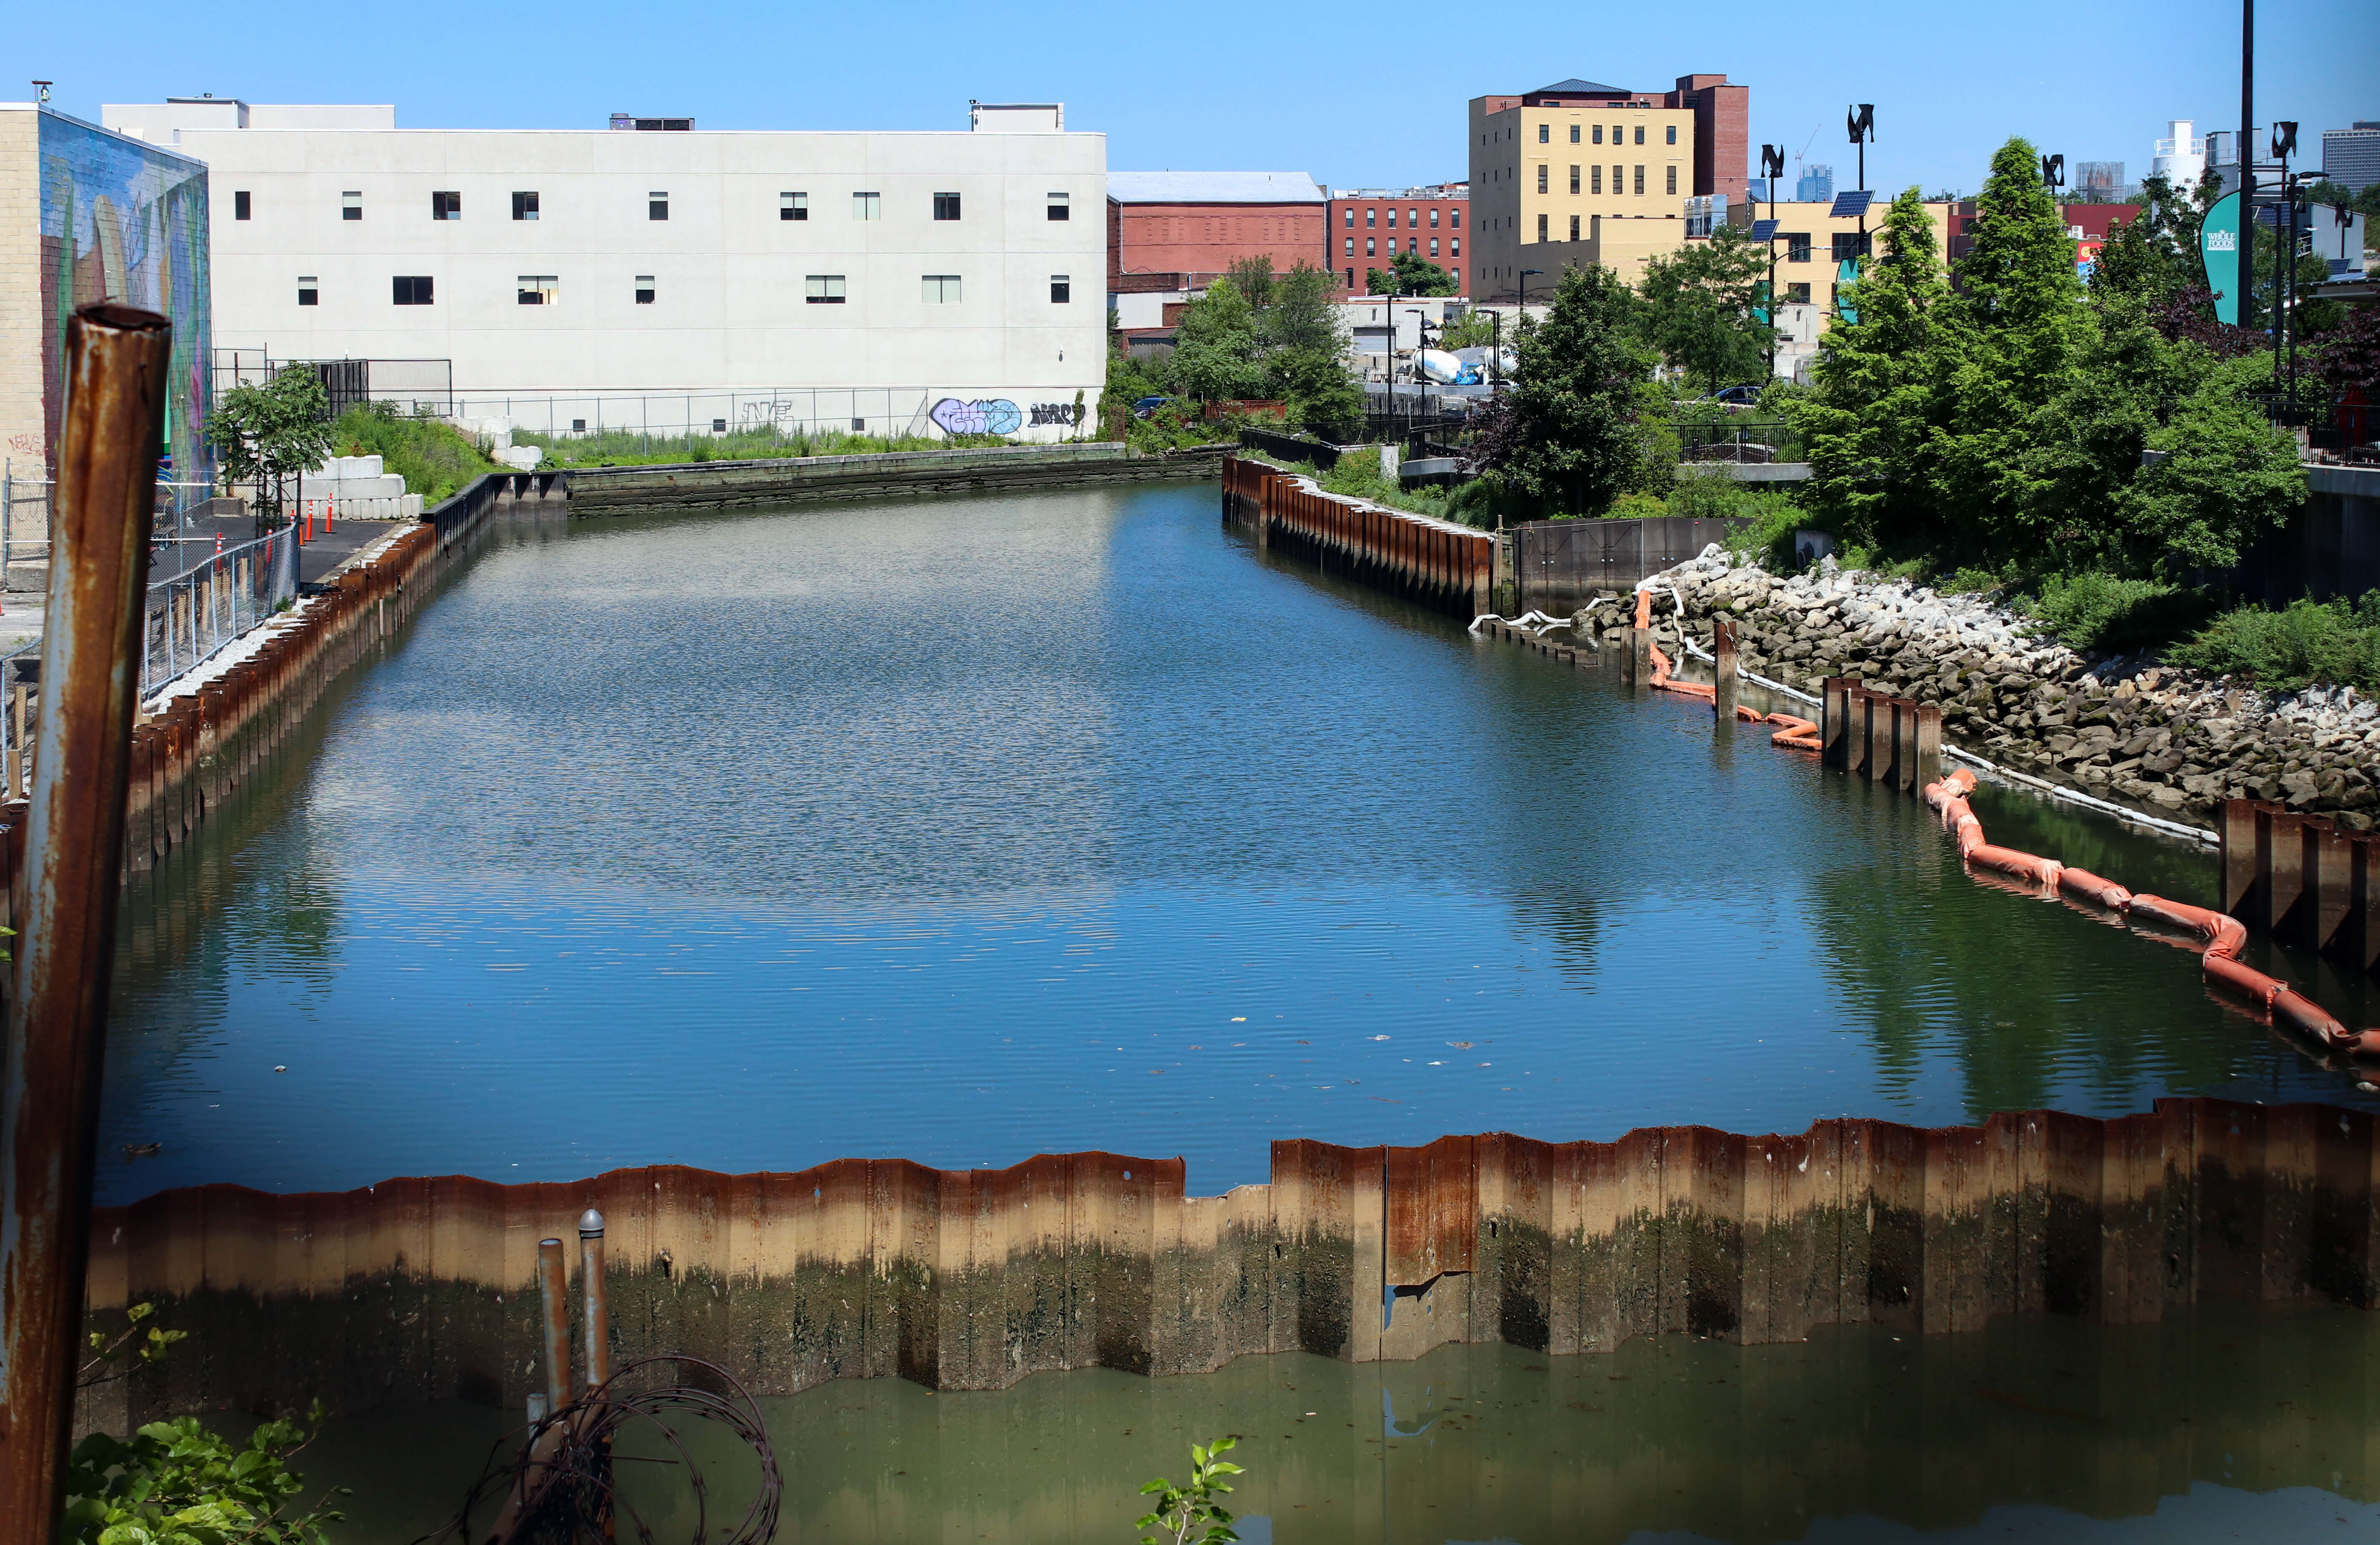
(1174, 231)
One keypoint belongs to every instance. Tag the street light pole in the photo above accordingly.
(2246, 159)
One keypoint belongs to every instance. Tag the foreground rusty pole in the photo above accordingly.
(56, 1035)
(554, 1305)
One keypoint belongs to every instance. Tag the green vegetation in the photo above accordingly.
(272, 432)
(765, 443)
(1256, 335)
(434, 458)
(177, 1482)
(1565, 439)
(1699, 308)
(2306, 642)
(2095, 610)
(1190, 1515)
(1409, 273)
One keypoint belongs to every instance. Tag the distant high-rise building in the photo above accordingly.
(2181, 157)
(1816, 187)
(2098, 182)
(2351, 156)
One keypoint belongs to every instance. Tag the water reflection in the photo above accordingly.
(963, 829)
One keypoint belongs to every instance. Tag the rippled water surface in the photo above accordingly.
(964, 829)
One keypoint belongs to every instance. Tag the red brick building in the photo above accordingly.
(1369, 226)
(1178, 230)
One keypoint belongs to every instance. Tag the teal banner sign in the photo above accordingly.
(2223, 248)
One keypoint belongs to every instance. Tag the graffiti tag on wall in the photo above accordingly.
(988, 415)
(1063, 415)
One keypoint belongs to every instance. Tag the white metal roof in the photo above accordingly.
(1212, 188)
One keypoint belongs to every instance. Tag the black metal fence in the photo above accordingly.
(1757, 441)
(422, 387)
(1559, 565)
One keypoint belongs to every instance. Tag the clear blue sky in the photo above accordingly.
(1360, 95)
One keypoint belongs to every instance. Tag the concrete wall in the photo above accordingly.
(727, 274)
(423, 1289)
(2331, 548)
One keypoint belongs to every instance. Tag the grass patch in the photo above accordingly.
(434, 459)
(2100, 612)
(765, 442)
(2307, 641)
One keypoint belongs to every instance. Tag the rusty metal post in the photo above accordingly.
(1724, 672)
(116, 368)
(554, 1303)
(1835, 719)
(599, 1318)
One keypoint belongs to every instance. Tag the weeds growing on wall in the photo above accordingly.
(433, 457)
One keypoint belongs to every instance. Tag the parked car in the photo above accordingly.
(1735, 396)
(1148, 406)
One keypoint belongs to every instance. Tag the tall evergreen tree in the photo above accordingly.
(1565, 437)
(1869, 414)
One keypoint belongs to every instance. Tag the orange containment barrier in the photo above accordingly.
(2222, 935)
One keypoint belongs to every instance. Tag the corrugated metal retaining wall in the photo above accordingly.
(1434, 562)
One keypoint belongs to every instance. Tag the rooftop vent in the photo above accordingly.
(629, 120)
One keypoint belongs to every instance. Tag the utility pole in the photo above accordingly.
(1772, 172)
(2247, 169)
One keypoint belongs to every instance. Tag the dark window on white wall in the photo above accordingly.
(351, 206)
(1673, 134)
(1545, 133)
(239, 206)
(412, 289)
(1574, 134)
(1542, 171)
(1574, 179)
(1062, 290)
(306, 290)
(1598, 133)
(1598, 180)
(1640, 181)
(946, 206)
(445, 206)
(1573, 227)
(822, 289)
(538, 289)
(524, 206)
(792, 206)
(1541, 226)
(1640, 134)
(1060, 207)
(1797, 247)
(940, 289)
(644, 289)
(656, 206)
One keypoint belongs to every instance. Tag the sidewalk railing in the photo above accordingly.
(199, 613)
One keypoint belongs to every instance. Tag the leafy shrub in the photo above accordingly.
(1190, 1515)
(179, 1483)
(2093, 610)
(1969, 581)
(2306, 642)
(434, 459)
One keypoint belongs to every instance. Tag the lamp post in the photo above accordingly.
(2245, 157)
(2285, 263)
(1772, 172)
(1860, 121)
(1421, 380)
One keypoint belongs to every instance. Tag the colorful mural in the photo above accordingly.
(988, 415)
(125, 221)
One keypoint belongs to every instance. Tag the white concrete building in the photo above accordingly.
(628, 278)
(2181, 156)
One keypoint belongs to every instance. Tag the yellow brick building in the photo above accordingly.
(1576, 172)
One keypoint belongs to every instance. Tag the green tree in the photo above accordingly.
(2224, 476)
(1565, 437)
(1698, 307)
(1216, 348)
(273, 431)
(1409, 273)
(1308, 358)
(1868, 416)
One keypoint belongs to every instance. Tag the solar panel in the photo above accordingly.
(1763, 230)
(1850, 205)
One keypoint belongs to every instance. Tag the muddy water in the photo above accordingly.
(964, 829)
(2220, 1426)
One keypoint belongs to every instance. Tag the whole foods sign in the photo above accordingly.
(2222, 247)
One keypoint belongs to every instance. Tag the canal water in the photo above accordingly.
(964, 829)
(2222, 1425)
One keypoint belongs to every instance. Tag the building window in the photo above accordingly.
(1351, 217)
(524, 206)
(1370, 248)
(1673, 179)
(1541, 228)
(1573, 182)
(538, 289)
(1545, 132)
(1351, 272)
(1619, 134)
(1433, 246)
(822, 289)
(1458, 247)
(1574, 134)
(1797, 295)
(1456, 274)
(1351, 247)
(1392, 220)
(1849, 244)
(946, 206)
(1433, 220)
(656, 206)
(1542, 170)
(351, 206)
(413, 289)
(1598, 178)
(1371, 219)
(1673, 134)
(1060, 207)
(1454, 218)
(1640, 179)
(445, 206)
(1598, 133)
(1573, 227)
(1413, 218)
(306, 290)
(1797, 248)
(239, 206)
(792, 206)
(1640, 134)
(644, 289)
(1062, 290)
(941, 289)
(867, 206)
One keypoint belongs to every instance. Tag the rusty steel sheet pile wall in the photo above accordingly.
(425, 1288)
(1436, 562)
(2302, 878)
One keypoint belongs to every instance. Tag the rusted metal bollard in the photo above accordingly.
(115, 370)
(554, 1303)
(598, 1320)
